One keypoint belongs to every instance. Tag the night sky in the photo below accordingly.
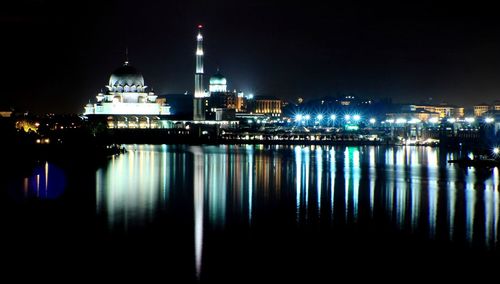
(56, 55)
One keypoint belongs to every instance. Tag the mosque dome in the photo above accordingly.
(126, 75)
(218, 79)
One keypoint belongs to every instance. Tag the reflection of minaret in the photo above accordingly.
(199, 93)
(198, 187)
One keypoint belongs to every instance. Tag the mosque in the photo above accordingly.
(127, 102)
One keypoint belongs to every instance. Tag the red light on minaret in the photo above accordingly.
(200, 26)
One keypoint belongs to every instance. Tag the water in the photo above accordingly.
(213, 213)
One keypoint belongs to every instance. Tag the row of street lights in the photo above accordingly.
(304, 118)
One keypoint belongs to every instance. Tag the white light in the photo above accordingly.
(307, 117)
(489, 119)
(400, 120)
(298, 117)
(333, 117)
(199, 52)
(357, 117)
(433, 120)
(372, 120)
(414, 120)
(470, 119)
(496, 150)
(319, 117)
(390, 120)
(347, 117)
(452, 120)
(250, 121)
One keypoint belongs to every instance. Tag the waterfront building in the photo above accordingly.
(480, 109)
(127, 102)
(444, 110)
(269, 106)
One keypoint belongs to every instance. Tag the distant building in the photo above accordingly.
(443, 110)
(480, 109)
(220, 98)
(5, 113)
(420, 114)
(351, 100)
(269, 106)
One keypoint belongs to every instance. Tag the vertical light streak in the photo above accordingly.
(198, 187)
(319, 177)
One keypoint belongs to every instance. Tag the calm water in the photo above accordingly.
(212, 213)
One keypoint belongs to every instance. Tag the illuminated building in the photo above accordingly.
(265, 105)
(480, 109)
(444, 110)
(351, 101)
(199, 101)
(5, 113)
(218, 83)
(127, 103)
(420, 114)
(223, 103)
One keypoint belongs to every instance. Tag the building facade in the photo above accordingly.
(127, 102)
(481, 109)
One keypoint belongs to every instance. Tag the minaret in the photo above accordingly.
(199, 92)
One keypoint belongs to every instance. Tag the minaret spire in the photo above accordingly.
(199, 93)
(126, 55)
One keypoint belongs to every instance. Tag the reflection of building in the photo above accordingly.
(480, 109)
(127, 103)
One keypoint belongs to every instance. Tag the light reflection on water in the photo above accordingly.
(413, 188)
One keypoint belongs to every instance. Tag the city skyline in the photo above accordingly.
(63, 54)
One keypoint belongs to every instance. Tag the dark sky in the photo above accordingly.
(58, 54)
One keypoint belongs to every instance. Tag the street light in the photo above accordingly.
(372, 120)
(357, 117)
(489, 119)
(298, 117)
(319, 117)
(470, 119)
(433, 120)
(347, 117)
(333, 117)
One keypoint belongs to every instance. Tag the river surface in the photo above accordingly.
(237, 213)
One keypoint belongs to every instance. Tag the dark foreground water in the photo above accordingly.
(253, 213)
